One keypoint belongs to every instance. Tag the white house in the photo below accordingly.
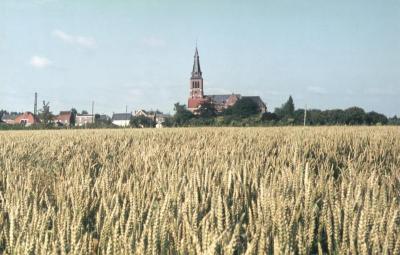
(83, 119)
(121, 119)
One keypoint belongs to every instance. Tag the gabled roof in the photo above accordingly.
(221, 99)
(121, 116)
(63, 116)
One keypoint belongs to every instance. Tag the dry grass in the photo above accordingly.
(201, 191)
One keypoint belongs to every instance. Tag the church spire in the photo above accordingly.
(196, 73)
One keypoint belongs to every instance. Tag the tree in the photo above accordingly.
(286, 110)
(182, 114)
(243, 107)
(2, 113)
(269, 116)
(335, 117)
(206, 110)
(141, 121)
(96, 118)
(85, 112)
(74, 112)
(45, 115)
(354, 116)
(373, 118)
(394, 120)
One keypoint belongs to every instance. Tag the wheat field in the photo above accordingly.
(292, 190)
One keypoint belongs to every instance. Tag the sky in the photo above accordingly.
(139, 53)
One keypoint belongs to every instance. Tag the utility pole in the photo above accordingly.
(93, 112)
(126, 115)
(305, 115)
(35, 105)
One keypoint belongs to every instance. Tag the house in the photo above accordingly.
(9, 118)
(221, 102)
(121, 119)
(26, 119)
(158, 117)
(83, 119)
(64, 118)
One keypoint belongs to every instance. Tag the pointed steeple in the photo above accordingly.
(196, 73)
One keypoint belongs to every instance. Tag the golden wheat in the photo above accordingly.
(332, 190)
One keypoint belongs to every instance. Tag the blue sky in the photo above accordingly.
(326, 54)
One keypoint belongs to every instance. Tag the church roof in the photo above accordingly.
(220, 99)
(195, 102)
(196, 72)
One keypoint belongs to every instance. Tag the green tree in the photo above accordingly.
(141, 121)
(394, 120)
(269, 116)
(74, 112)
(354, 116)
(286, 110)
(45, 115)
(206, 110)
(373, 118)
(244, 107)
(182, 115)
(2, 113)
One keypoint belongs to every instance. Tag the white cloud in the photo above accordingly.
(153, 41)
(40, 62)
(82, 41)
(316, 90)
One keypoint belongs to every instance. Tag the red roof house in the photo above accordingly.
(64, 118)
(27, 119)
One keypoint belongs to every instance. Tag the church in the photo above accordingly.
(221, 102)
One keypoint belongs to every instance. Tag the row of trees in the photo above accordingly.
(246, 113)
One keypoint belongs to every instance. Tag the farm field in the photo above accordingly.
(287, 190)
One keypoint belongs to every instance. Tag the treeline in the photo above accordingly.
(246, 113)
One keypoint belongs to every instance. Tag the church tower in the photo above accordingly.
(196, 81)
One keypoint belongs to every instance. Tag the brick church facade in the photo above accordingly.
(221, 102)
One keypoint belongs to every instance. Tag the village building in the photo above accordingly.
(220, 102)
(9, 118)
(158, 117)
(83, 119)
(26, 119)
(64, 118)
(104, 118)
(121, 119)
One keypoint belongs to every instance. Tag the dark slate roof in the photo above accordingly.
(196, 72)
(121, 116)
